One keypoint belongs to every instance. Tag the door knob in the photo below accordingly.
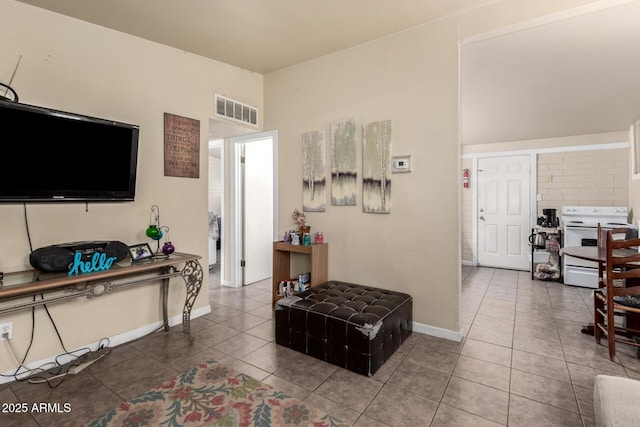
(482, 217)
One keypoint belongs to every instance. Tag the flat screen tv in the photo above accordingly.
(55, 156)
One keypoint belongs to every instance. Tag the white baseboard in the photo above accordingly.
(467, 263)
(114, 341)
(421, 328)
(140, 332)
(228, 283)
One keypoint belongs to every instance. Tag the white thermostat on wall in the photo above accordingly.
(401, 164)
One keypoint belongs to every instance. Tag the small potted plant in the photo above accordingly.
(299, 218)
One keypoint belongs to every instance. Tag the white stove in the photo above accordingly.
(580, 229)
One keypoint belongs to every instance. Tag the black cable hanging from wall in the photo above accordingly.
(6, 91)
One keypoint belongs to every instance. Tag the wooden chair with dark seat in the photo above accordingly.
(619, 296)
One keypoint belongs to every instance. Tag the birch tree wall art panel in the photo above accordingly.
(343, 163)
(376, 167)
(313, 171)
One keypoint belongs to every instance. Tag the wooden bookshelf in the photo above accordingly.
(318, 257)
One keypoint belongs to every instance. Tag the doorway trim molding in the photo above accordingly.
(235, 279)
(220, 144)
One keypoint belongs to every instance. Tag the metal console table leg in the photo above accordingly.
(165, 296)
(193, 275)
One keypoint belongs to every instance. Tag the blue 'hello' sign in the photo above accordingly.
(99, 262)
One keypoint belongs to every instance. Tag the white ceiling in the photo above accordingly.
(575, 76)
(259, 35)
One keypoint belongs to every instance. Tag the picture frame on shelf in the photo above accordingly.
(140, 252)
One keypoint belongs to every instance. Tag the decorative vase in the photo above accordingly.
(154, 232)
(168, 248)
(306, 239)
(305, 235)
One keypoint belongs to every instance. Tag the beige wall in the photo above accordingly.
(634, 190)
(75, 66)
(215, 185)
(634, 200)
(410, 78)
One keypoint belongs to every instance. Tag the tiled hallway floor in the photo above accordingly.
(524, 362)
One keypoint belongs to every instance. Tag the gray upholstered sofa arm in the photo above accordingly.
(616, 401)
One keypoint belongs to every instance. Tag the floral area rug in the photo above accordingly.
(212, 394)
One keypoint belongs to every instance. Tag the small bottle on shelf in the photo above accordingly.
(306, 239)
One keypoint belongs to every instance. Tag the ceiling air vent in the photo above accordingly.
(236, 111)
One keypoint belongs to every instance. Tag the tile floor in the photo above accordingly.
(523, 362)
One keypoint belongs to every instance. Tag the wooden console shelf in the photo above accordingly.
(319, 257)
(16, 286)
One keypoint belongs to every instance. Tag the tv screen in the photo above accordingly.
(51, 155)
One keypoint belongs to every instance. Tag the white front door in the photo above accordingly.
(504, 212)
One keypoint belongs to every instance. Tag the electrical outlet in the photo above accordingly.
(6, 329)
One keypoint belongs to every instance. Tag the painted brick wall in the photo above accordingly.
(583, 178)
(466, 228)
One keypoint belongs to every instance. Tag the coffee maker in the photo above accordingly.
(550, 219)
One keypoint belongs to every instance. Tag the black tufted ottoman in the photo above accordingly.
(352, 326)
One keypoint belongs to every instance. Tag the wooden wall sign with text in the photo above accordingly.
(181, 146)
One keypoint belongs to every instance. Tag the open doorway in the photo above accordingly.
(230, 140)
(219, 199)
(216, 209)
(254, 206)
